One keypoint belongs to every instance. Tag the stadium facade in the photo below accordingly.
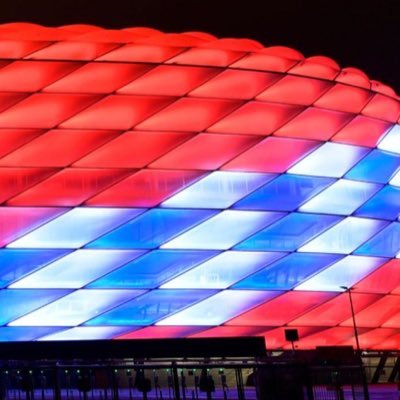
(159, 185)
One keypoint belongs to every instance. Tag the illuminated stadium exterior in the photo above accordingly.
(177, 185)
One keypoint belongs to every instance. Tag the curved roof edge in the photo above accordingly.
(315, 66)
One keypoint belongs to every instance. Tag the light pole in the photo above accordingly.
(353, 315)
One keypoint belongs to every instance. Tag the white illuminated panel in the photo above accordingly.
(76, 228)
(343, 197)
(76, 308)
(345, 236)
(77, 269)
(223, 270)
(391, 142)
(218, 190)
(345, 272)
(224, 230)
(88, 333)
(331, 160)
(219, 308)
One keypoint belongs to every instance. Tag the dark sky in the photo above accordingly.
(360, 34)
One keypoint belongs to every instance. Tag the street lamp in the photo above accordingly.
(353, 315)
(348, 290)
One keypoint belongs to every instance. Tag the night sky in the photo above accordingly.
(354, 33)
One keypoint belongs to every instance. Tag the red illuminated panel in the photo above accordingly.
(15, 180)
(335, 310)
(272, 155)
(383, 280)
(380, 87)
(146, 188)
(275, 338)
(29, 31)
(344, 98)
(141, 53)
(362, 131)
(371, 338)
(17, 221)
(161, 332)
(31, 76)
(205, 151)
(233, 44)
(202, 56)
(66, 147)
(229, 331)
(282, 51)
(383, 107)
(133, 149)
(282, 309)
(117, 112)
(390, 343)
(69, 187)
(98, 78)
(9, 99)
(295, 90)
(44, 110)
(169, 80)
(317, 67)
(15, 49)
(256, 118)
(172, 39)
(330, 337)
(10, 139)
(354, 77)
(315, 123)
(377, 313)
(189, 114)
(233, 84)
(79, 51)
(264, 62)
(393, 321)
(107, 36)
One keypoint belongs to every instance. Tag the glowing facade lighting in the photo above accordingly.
(183, 185)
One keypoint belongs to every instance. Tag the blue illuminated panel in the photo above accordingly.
(152, 229)
(63, 232)
(152, 269)
(17, 302)
(325, 161)
(345, 272)
(77, 269)
(385, 244)
(286, 273)
(342, 198)
(24, 333)
(289, 233)
(86, 333)
(218, 190)
(151, 307)
(384, 205)
(16, 263)
(224, 230)
(284, 193)
(75, 308)
(391, 141)
(378, 166)
(345, 237)
(223, 270)
(229, 304)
